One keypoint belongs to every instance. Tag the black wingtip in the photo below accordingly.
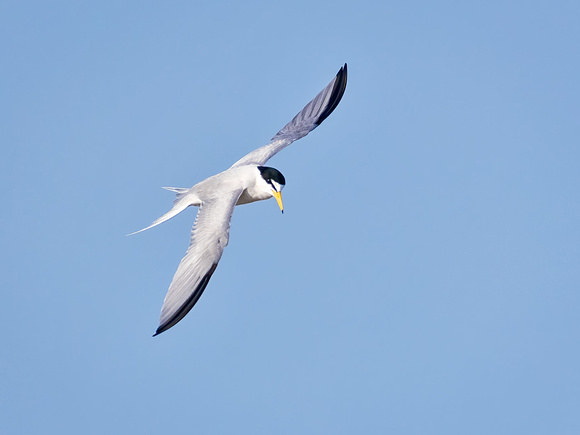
(189, 303)
(336, 95)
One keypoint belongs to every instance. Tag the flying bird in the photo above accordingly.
(246, 181)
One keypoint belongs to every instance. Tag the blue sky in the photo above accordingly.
(424, 277)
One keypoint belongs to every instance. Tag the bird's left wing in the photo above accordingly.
(209, 237)
(303, 123)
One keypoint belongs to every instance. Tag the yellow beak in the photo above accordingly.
(278, 197)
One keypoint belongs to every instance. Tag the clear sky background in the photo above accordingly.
(424, 279)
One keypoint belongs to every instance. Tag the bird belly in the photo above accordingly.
(248, 196)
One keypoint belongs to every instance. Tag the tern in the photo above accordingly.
(246, 181)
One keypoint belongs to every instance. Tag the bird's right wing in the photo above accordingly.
(209, 237)
(303, 123)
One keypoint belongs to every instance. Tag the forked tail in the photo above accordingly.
(179, 205)
(180, 192)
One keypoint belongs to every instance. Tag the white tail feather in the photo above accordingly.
(180, 192)
(178, 207)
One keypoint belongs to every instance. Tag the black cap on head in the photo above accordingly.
(272, 174)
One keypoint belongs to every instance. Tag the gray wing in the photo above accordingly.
(209, 237)
(307, 120)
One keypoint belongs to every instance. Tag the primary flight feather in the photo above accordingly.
(246, 181)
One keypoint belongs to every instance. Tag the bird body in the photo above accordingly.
(246, 181)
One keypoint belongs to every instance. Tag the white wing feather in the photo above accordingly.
(303, 123)
(209, 237)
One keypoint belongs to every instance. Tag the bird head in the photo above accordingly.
(275, 182)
